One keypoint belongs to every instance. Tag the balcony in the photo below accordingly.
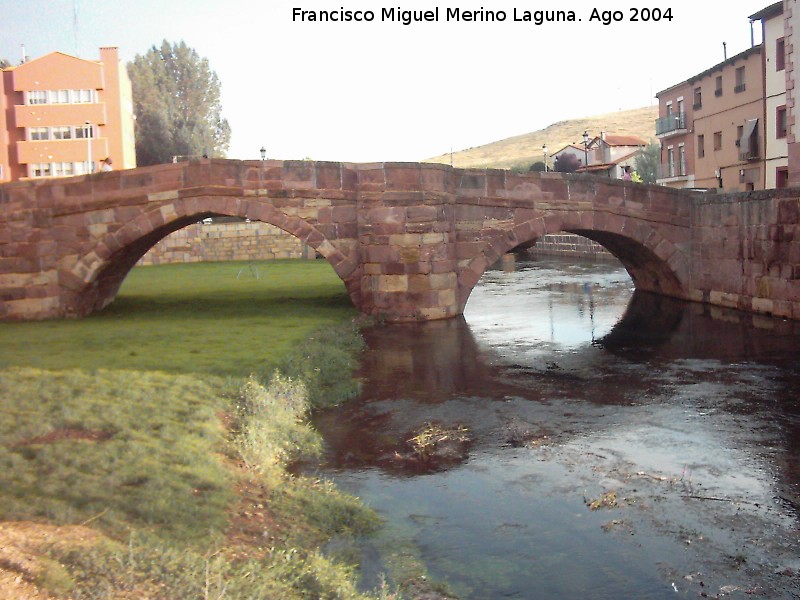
(670, 125)
(61, 150)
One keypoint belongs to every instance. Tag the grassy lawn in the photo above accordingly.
(155, 436)
(192, 318)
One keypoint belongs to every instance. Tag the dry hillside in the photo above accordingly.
(524, 150)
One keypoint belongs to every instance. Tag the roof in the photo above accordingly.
(624, 140)
(717, 67)
(765, 13)
(573, 146)
(49, 54)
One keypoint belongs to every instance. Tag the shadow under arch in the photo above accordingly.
(97, 275)
(653, 262)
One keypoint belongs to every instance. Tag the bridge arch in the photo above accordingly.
(653, 262)
(97, 274)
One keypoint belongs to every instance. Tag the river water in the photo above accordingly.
(595, 443)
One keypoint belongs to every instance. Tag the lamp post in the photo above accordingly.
(585, 149)
(263, 152)
(544, 151)
(89, 142)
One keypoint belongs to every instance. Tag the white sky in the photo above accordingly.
(382, 91)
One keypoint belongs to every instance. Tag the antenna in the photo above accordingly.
(75, 24)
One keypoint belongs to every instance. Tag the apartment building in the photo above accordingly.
(711, 127)
(61, 116)
(776, 148)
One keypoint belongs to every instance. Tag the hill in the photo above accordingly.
(524, 150)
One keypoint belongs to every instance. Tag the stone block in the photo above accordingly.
(392, 283)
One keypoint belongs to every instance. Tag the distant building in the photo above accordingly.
(610, 154)
(711, 127)
(62, 116)
(776, 147)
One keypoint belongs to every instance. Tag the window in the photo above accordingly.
(681, 160)
(37, 97)
(717, 140)
(83, 96)
(780, 122)
(59, 97)
(739, 132)
(671, 161)
(698, 98)
(669, 108)
(83, 132)
(718, 86)
(40, 170)
(62, 169)
(780, 55)
(701, 146)
(680, 106)
(38, 133)
(782, 177)
(740, 87)
(62, 133)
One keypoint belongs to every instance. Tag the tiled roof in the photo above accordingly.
(625, 140)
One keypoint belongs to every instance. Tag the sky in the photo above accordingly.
(384, 91)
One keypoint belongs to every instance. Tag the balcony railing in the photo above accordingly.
(671, 123)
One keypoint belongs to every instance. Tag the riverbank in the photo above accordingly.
(143, 451)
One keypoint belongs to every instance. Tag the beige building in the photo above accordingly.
(719, 142)
(61, 115)
(609, 154)
(776, 148)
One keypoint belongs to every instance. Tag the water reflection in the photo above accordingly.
(574, 388)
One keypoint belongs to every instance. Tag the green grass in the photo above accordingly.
(191, 318)
(115, 420)
(132, 449)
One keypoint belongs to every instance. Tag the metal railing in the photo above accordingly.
(671, 123)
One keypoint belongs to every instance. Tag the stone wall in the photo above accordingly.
(244, 240)
(746, 252)
(569, 244)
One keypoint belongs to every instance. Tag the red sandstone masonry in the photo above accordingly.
(409, 240)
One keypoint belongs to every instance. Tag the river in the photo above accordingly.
(595, 443)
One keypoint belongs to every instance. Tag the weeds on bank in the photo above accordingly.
(143, 455)
(322, 359)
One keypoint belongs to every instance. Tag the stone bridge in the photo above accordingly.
(409, 240)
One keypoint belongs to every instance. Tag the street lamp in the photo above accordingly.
(263, 152)
(585, 149)
(544, 151)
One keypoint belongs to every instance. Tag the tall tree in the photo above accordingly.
(176, 100)
(648, 161)
(567, 163)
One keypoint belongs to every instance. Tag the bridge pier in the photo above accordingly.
(407, 243)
